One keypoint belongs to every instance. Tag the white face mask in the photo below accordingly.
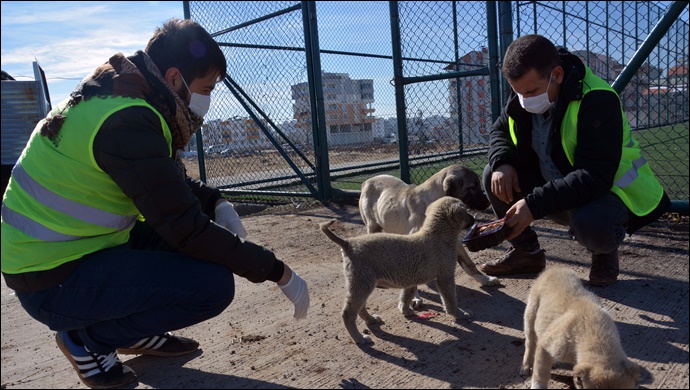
(198, 103)
(536, 104)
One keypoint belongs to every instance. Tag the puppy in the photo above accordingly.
(565, 322)
(390, 205)
(402, 261)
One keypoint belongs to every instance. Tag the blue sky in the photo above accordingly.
(70, 39)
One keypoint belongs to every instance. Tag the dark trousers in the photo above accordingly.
(121, 295)
(598, 225)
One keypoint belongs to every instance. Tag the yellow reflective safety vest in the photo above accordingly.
(634, 183)
(59, 205)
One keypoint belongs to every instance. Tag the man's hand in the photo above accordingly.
(504, 183)
(518, 218)
(227, 217)
(296, 290)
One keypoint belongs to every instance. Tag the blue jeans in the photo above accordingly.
(598, 225)
(121, 295)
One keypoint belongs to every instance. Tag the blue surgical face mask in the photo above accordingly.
(537, 104)
(198, 103)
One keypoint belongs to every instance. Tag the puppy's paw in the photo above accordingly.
(463, 315)
(490, 281)
(525, 371)
(416, 303)
(405, 310)
(374, 319)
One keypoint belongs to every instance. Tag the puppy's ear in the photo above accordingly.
(458, 209)
(452, 186)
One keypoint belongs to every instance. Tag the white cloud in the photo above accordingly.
(70, 39)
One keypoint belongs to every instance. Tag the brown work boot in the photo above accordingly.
(604, 271)
(515, 261)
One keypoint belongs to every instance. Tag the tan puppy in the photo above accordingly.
(402, 261)
(388, 204)
(565, 322)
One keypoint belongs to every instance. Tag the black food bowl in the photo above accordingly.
(485, 235)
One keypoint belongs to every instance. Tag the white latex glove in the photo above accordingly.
(296, 291)
(227, 217)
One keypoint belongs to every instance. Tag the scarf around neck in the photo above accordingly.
(135, 77)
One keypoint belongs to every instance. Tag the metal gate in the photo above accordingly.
(322, 95)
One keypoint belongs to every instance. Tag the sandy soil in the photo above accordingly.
(256, 343)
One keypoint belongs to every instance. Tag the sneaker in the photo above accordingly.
(515, 261)
(162, 345)
(604, 271)
(95, 370)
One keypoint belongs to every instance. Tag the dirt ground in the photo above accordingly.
(256, 343)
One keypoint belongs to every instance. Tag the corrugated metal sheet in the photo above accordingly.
(21, 111)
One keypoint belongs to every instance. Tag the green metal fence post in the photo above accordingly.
(494, 80)
(458, 103)
(318, 113)
(505, 20)
(399, 93)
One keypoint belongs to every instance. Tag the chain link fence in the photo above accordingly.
(322, 95)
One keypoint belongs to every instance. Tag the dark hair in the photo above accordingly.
(530, 52)
(184, 44)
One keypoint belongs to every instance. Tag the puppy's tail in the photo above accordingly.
(324, 228)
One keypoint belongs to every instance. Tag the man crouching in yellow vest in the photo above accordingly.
(105, 239)
(562, 149)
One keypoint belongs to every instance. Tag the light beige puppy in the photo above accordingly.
(565, 322)
(402, 261)
(388, 204)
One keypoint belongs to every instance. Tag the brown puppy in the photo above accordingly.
(565, 322)
(388, 204)
(402, 261)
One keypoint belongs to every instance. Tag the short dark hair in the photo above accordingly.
(530, 52)
(184, 44)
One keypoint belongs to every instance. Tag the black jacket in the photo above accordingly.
(596, 157)
(130, 147)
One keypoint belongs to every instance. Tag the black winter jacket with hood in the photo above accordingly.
(596, 157)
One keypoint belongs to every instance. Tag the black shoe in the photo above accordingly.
(95, 370)
(162, 345)
(604, 271)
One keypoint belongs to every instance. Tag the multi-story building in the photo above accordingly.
(235, 133)
(348, 108)
(473, 98)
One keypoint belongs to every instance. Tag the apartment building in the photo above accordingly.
(235, 133)
(347, 105)
(473, 99)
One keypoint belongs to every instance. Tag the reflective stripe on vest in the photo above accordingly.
(632, 173)
(56, 202)
(34, 229)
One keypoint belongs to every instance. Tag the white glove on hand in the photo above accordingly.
(227, 217)
(296, 290)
